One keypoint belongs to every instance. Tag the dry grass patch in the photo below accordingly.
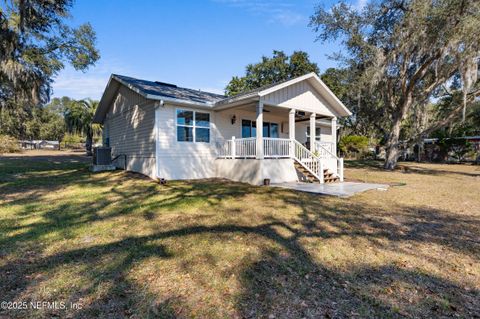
(123, 246)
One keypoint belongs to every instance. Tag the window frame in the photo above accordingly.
(253, 125)
(193, 126)
(317, 136)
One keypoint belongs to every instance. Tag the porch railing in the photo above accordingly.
(245, 147)
(224, 149)
(276, 147)
(282, 148)
(325, 149)
(308, 160)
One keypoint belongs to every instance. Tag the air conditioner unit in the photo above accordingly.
(102, 156)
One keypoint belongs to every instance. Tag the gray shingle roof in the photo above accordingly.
(170, 91)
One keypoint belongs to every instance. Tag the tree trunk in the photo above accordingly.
(391, 156)
(88, 143)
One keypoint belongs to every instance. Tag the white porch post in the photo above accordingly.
(259, 129)
(334, 136)
(234, 148)
(313, 116)
(291, 131)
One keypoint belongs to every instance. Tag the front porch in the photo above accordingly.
(294, 122)
(322, 164)
(273, 132)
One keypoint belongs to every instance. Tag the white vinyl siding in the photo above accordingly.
(182, 160)
(300, 96)
(226, 129)
(192, 126)
(302, 136)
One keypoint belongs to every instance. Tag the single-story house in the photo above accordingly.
(39, 144)
(283, 132)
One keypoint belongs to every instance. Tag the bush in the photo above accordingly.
(8, 144)
(73, 141)
(455, 148)
(354, 145)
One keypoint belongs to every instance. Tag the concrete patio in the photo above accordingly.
(344, 189)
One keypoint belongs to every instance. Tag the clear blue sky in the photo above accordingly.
(196, 44)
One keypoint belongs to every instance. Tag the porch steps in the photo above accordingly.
(306, 176)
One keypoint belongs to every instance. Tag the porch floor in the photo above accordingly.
(343, 189)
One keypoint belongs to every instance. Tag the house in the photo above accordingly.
(456, 151)
(40, 144)
(284, 132)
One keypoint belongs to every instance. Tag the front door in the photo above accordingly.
(249, 129)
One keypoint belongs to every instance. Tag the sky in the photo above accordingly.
(196, 44)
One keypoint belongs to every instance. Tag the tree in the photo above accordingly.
(35, 44)
(278, 68)
(78, 118)
(405, 51)
(44, 124)
(338, 81)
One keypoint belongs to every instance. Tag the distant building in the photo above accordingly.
(40, 144)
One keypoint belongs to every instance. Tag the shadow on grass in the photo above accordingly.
(287, 282)
(410, 168)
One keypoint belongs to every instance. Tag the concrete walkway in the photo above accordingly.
(345, 189)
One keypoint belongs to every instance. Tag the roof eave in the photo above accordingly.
(178, 101)
(164, 98)
(105, 102)
(100, 113)
(227, 103)
(341, 108)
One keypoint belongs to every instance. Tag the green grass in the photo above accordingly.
(120, 245)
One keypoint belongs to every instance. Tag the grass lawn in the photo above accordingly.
(118, 245)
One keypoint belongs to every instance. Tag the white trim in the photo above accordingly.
(178, 101)
(194, 141)
(317, 136)
(159, 97)
(269, 122)
(308, 76)
(280, 86)
(157, 142)
(228, 102)
(332, 95)
(285, 84)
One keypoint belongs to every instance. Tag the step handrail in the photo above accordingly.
(326, 150)
(316, 166)
(339, 160)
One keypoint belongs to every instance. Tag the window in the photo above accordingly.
(249, 129)
(193, 126)
(317, 133)
(274, 130)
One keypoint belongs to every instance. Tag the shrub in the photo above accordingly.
(456, 148)
(73, 141)
(354, 145)
(8, 144)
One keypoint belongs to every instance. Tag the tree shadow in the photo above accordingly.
(289, 286)
(415, 169)
(432, 169)
(285, 282)
(366, 164)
